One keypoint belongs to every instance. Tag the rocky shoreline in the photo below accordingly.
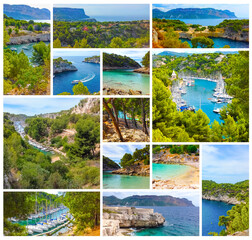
(43, 37)
(143, 70)
(221, 198)
(138, 169)
(60, 65)
(113, 91)
(117, 221)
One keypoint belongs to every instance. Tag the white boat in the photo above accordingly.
(217, 110)
(76, 81)
(13, 49)
(37, 229)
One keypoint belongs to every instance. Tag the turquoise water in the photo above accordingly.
(207, 22)
(116, 181)
(28, 51)
(90, 72)
(221, 42)
(211, 210)
(126, 80)
(49, 216)
(167, 171)
(198, 96)
(179, 221)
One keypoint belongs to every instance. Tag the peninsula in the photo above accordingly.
(61, 65)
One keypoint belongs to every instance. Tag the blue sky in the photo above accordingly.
(113, 11)
(61, 53)
(240, 10)
(116, 152)
(190, 195)
(225, 163)
(37, 105)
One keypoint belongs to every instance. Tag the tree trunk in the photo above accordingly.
(115, 123)
(124, 114)
(145, 130)
(114, 110)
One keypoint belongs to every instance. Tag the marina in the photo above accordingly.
(194, 93)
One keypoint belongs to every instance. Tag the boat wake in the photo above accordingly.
(88, 78)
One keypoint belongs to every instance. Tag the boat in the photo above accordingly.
(217, 110)
(76, 81)
(25, 48)
(13, 49)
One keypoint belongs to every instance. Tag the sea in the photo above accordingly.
(27, 48)
(198, 96)
(179, 221)
(168, 171)
(88, 72)
(116, 181)
(221, 42)
(211, 210)
(126, 80)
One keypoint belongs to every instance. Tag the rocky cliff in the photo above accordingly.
(109, 165)
(25, 12)
(193, 13)
(88, 106)
(94, 59)
(61, 65)
(69, 14)
(138, 169)
(147, 200)
(30, 38)
(115, 218)
(221, 198)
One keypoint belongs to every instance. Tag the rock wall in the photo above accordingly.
(129, 217)
(63, 66)
(168, 158)
(138, 169)
(88, 106)
(221, 198)
(44, 37)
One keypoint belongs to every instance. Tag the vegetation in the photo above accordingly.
(179, 149)
(171, 125)
(135, 111)
(128, 34)
(146, 60)
(115, 60)
(77, 156)
(85, 208)
(167, 32)
(140, 155)
(237, 218)
(20, 205)
(108, 163)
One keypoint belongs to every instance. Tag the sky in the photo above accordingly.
(35, 5)
(240, 10)
(77, 52)
(38, 105)
(225, 163)
(136, 55)
(190, 195)
(116, 152)
(113, 11)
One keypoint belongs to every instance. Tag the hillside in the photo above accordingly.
(147, 200)
(69, 14)
(193, 13)
(225, 192)
(62, 65)
(109, 165)
(25, 12)
(94, 59)
(114, 61)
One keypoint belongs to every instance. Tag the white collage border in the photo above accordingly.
(50, 3)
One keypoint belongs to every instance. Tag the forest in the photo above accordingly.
(83, 211)
(166, 32)
(170, 125)
(179, 149)
(128, 34)
(115, 60)
(237, 218)
(139, 155)
(126, 119)
(24, 76)
(71, 159)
